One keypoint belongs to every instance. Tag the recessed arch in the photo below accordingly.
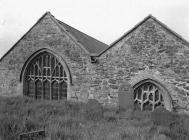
(149, 94)
(45, 75)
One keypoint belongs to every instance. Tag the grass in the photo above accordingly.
(64, 120)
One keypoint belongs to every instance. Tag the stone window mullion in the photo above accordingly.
(46, 78)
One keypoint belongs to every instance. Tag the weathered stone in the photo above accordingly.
(181, 85)
(112, 81)
(186, 87)
(120, 73)
(182, 92)
(104, 83)
(97, 81)
(113, 86)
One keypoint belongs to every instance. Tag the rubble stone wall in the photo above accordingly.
(45, 34)
(150, 51)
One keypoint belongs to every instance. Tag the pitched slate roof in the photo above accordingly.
(92, 45)
(165, 27)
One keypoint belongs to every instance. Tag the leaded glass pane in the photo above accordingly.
(55, 88)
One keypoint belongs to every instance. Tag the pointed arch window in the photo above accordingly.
(149, 94)
(45, 77)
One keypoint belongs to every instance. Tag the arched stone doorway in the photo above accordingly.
(150, 94)
(45, 76)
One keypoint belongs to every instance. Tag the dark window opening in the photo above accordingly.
(93, 59)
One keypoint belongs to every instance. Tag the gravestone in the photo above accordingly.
(126, 100)
(35, 135)
(93, 110)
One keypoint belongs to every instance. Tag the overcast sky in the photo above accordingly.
(105, 20)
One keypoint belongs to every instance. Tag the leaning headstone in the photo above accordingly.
(126, 100)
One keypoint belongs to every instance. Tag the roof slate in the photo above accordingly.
(92, 45)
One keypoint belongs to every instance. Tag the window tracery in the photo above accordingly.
(148, 96)
(45, 78)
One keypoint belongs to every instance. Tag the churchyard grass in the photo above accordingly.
(66, 120)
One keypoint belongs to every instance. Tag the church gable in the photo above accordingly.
(44, 34)
(150, 48)
(150, 42)
(48, 34)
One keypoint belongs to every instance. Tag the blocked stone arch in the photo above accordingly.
(149, 85)
(46, 75)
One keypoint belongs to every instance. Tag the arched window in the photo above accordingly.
(149, 95)
(45, 77)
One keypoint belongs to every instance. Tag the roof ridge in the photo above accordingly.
(77, 35)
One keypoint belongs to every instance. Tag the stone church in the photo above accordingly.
(55, 61)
